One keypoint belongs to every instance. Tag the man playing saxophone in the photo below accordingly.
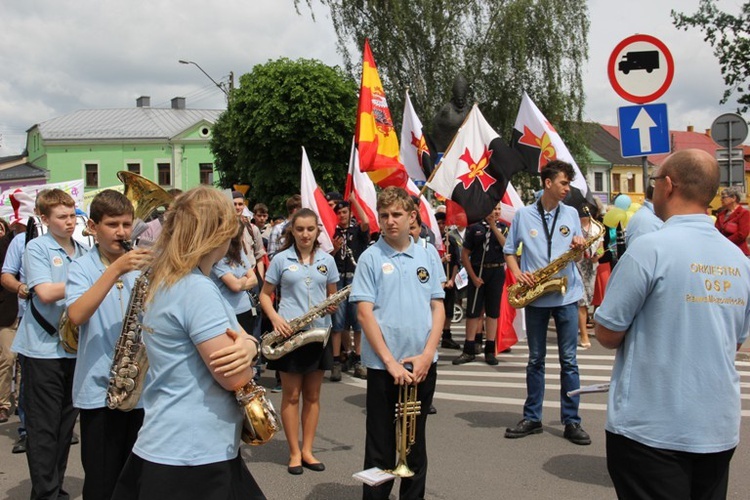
(97, 295)
(398, 288)
(547, 230)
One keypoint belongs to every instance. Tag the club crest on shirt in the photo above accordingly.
(533, 233)
(323, 269)
(57, 261)
(423, 275)
(388, 268)
(564, 230)
(293, 268)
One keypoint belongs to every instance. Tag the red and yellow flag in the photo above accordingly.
(376, 138)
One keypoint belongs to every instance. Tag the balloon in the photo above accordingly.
(628, 215)
(623, 201)
(634, 207)
(615, 216)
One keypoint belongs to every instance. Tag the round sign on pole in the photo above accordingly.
(729, 130)
(640, 68)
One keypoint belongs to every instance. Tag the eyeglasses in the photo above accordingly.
(652, 180)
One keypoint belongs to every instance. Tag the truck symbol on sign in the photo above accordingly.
(647, 59)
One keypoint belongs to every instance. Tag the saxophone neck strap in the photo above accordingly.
(548, 231)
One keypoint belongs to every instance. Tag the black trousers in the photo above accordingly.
(489, 294)
(48, 401)
(380, 444)
(644, 473)
(107, 438)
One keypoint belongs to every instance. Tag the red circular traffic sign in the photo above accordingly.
(640, 68)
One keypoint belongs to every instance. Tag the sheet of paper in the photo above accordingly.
(374, 476)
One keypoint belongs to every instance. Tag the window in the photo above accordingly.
(598, 181)
(92, 175)
(164, 173)
(134, 168)
(616, 185)
(206, 173)
(631, 184)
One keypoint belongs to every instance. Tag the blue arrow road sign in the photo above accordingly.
(643, 130)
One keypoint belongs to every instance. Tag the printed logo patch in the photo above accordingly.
(564, 230)
(423, 275)
(533, 233)
(293, 268)
(57, 261)
(323, 269)
(388, 268)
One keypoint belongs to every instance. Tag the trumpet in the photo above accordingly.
(407, 410)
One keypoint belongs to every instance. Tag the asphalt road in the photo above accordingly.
(469, 458)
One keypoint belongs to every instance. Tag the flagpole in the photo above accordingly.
(434, 171)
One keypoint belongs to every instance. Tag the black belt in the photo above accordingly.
(492, 266)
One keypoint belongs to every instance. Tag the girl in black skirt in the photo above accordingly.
(304, 276)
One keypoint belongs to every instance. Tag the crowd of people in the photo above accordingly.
(217, 275)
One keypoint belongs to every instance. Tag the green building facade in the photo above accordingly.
(169, 146)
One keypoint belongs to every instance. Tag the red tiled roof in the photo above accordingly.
(683, 140)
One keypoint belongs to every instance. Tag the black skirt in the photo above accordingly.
(305, 359)
(228, 480)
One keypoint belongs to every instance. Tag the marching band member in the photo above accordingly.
(97, 294)
(304, 276)
(188, 446)
(398, 288)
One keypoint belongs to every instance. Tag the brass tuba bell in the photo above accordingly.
(145, 195)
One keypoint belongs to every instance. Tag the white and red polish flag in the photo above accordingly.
(427, 213)
(511, 326)
(364, 190)
(315, 199)
(415, 155)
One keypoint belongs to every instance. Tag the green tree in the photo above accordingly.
(730, 38)
(501, 47)
(279, 107)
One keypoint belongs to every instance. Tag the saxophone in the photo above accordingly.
(520, 295)
(274, 345)
(259, 419)
(130, 362)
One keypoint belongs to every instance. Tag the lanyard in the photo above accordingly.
(548, 232)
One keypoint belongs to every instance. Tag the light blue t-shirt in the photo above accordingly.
(400, 285)
(644, 221)
(13, 264)
(98, 336)
(302, 285)
(240, 301)
(681, 294)
(44, 261)
(189, 418)
(527, 228)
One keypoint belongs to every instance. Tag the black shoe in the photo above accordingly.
(75, 439)
(20, 445)
(450, 344)
(317, 467)
(295, 470)
(432, 410)
(464, 358)
(490, 359)
(523, 428)
(575, 434)
(4, 415)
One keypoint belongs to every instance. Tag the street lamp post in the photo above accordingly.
(221, 87)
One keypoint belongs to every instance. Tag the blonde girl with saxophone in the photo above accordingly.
(198, 354)
(304, 275)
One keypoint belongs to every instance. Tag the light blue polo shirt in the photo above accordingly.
(292, 277)
(400, 285)
(682, 295)
(189, 418)
(13, 264)
(644, 221)
(240, 301)
(98, 336)
(44, 261)
(527, 228)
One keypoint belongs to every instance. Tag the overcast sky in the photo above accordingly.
(56, 59)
